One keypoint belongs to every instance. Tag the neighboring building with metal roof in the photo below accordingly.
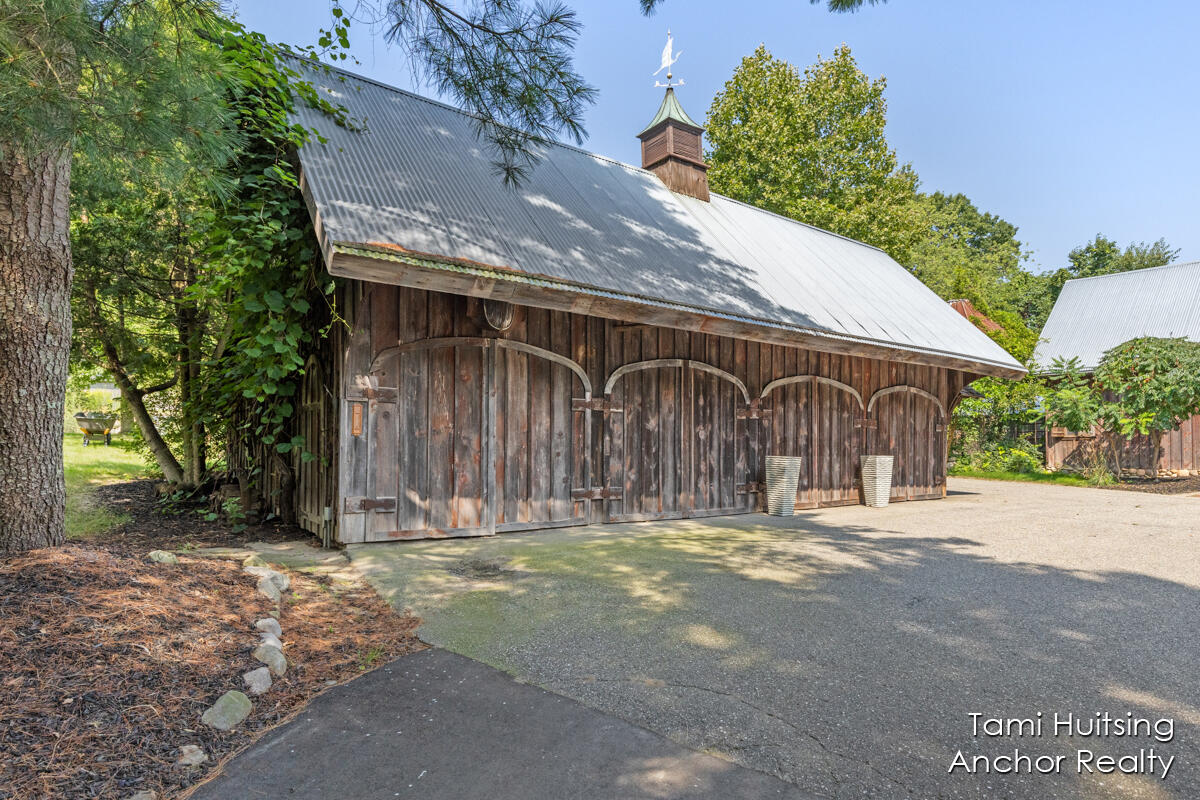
(601, 343)
(1093, 315)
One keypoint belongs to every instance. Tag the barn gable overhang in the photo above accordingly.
(390, 264)
(412, 200)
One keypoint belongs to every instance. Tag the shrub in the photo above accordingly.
(1014, 456)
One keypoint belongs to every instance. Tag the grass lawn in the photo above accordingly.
(87, 468)
(1031, 477)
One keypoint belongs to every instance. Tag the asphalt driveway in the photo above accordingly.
(843, 650)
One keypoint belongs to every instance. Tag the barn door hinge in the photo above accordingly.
(361, 505)
(751, 488)
(384, 394)
(753, 411)
(939, 428)
(863, 422)
(598, 493)
(596, 404)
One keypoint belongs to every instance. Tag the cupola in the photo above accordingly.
(671, 143)
(672, 149)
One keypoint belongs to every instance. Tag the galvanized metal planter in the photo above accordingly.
(877, 480)
(783, 478)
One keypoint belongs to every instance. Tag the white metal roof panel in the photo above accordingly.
(1093, 315)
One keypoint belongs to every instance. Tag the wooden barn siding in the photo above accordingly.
(673, 441)
(1180, 449)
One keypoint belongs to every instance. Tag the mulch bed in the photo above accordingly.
(151, 528)
(1189, 485)
(107, 660)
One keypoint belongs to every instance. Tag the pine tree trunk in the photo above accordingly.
(35, 343)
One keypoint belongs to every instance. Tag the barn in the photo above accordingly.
(1093, 315)
(603, 343)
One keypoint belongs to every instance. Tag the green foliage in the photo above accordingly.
(120, 79)
(267, 275)
(970, 254)
(1030, 477)
(990, 421)
(1145, 386)
(812, 147)
(1072, 403)
(1155, 382)
(1017, 456)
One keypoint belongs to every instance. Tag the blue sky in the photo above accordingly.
(1067, 118)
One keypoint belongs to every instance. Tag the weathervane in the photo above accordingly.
(667, 62)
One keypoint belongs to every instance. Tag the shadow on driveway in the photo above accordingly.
(845, 657)
(440, 726)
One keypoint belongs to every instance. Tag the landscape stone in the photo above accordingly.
(271, 639)
(281, 581)
(273, 657)
(228, 712)
(163, 557)
(191, 755)
(254, 560)
(144, 794)
(268, 588)
(269, 625)
(257, 680)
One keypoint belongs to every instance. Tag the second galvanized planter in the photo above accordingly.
(783, 478)
(877, 480)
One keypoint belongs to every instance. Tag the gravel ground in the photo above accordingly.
(843, 649)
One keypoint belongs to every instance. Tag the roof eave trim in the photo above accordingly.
(353, 260)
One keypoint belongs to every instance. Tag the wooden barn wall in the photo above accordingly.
(1073, 452)
(449, 428)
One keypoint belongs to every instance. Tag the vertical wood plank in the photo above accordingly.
(669, 427)
(650, 488)
(442, 422)
(468, 438)
(503, 502)
(561, 422)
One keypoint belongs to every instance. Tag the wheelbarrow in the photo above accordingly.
(94, 424)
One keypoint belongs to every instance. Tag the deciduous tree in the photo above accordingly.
(812, 147)
(1155, 386)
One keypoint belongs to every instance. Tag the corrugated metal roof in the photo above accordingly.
(1093, 315)
(419, 177)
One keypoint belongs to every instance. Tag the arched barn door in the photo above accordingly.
(910, 425)
(676, 437)
(819, 420)
(469, 436)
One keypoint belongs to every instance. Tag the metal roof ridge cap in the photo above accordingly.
(1193, 263)
(819, 332)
